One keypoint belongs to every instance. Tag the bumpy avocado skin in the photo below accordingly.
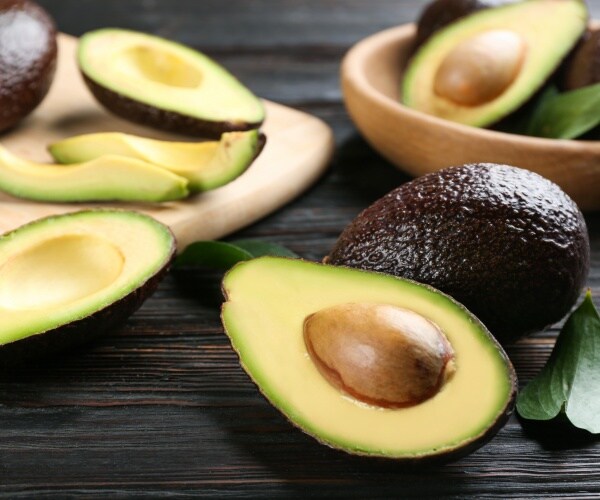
(28, 53)
(507, 243)
(441, 13)
(170, 121)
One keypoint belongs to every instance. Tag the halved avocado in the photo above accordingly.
(270, 302)
(483, 67)
(67, 278)
(162, 84)
(206, 165)
(109, 177)
(28, 54)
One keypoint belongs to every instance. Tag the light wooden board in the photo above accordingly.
(298, 149)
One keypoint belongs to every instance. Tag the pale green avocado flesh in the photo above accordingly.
(547, 29)
(62, 269)
(166, 75)
(109, 177)
(206, 165)
(267, 302)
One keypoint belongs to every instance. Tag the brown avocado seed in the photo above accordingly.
(481, 68)
(378, 353)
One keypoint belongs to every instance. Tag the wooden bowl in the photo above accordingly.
(420, 143)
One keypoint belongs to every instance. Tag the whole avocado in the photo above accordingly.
(506, 242)
(28, 54)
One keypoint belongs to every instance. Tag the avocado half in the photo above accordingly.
(486, 65)
(206, 165)
(67, 278)
(166, 85)
(506, 242)
(28, 54)
(270, 298)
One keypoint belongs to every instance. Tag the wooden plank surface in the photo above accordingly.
(161, 407)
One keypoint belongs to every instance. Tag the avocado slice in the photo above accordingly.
(162, 84)
(506, 242)
(206, 165)
(270, 302)
(110, 177)
(484, 66)
(65, 279)
(28, 54)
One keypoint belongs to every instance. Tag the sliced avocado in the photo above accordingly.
(109, 177)
(206, 165)
(486, 65)
(275, 304)
(67, 278)
(28, 54)
(507, 243)
(163, 84)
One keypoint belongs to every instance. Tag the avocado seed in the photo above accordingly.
(479, 69)
(378, 353)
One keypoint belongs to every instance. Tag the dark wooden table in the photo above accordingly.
(161, 406)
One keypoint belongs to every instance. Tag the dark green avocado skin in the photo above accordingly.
(441, 13)
(170, 121)
(28, 54)
(507, 243)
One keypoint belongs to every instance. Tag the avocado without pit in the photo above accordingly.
(368, 363)
(65, 279)
(28, 54)
(166, 85)
(485, 65)
(206, 165)
(507, 243)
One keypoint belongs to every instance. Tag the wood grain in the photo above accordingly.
(298, 150)
(161, 408)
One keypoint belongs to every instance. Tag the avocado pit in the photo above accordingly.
(480, 68)
(380, 354)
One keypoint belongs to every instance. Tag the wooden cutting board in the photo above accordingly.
(299, 147)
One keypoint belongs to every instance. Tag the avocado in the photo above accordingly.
(162, 84)
(206, 165)
(65, 279)
(110, 177)
(507, 243)
(28, 53)
(482, 67)
(582, 67)
(367, 363)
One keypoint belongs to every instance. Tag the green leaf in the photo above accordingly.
(570, 380)
(259, 248)
(566, 115)
(222, 256)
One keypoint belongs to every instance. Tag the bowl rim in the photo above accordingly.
(352, 70)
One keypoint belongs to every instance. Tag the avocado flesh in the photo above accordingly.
(562, 23)
(206, 165)
(166, 85)
(269, 298)
(110, 177)
(65, 278)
